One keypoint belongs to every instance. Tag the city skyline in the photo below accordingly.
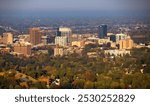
(42, 48)
(71, 7)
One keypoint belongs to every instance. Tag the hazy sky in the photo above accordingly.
(74, 5)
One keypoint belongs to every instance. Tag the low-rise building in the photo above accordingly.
(78, 43)
(117, 52)
(92, 54)
(103, 41)
(24, 38)
(58, 51)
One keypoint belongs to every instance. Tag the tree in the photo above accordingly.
(7, 83)
(88, 85)
(103, 82)
(38, 85)
(127, 79)
(65, 83)
(78, 83)
(115, 85)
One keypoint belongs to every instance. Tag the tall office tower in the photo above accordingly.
(7, 38)
(58, 33)
(102, 31)
(23, 48)
(61, 41)
(63, 31)
(35, 36)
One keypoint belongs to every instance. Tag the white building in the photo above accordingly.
(61, 41)
(58, 51)
(120, 37)
(66, 32)
(117, 52)
(44, 39)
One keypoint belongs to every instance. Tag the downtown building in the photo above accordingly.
(35, 36)
(22, 48)
(4, 49)
(78, 43)
(58, 51)
(102, 31)
(120, 37)
(64, 32)
(126, 43)
(7, 38)
(61, 41)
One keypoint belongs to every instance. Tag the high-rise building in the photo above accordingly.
(58, 33)
(63, 31)
(22, 48)
(61, 41)
(126, 43)
(122, 44)
(7, 38)
(120, 37)
(130, 43)
(35, 36)
(102, 31)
